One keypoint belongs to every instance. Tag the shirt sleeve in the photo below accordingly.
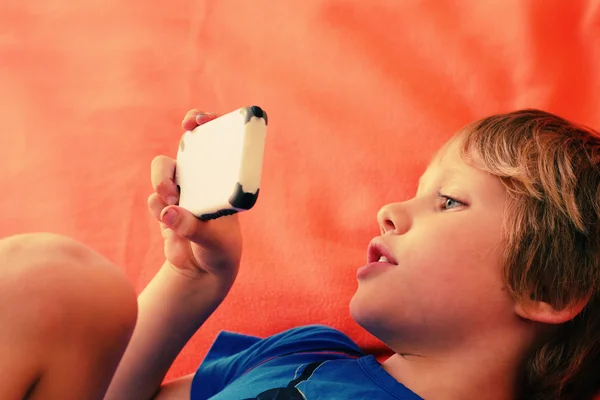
(232, 354)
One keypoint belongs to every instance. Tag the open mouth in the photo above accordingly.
(379, 257)
(378, 252)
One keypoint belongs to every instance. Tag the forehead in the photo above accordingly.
(446, 158)
(449, 156)
(448, 163)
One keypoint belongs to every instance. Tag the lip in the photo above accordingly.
(366, 270)
(377, 249)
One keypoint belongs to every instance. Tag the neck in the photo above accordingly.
(487, 367)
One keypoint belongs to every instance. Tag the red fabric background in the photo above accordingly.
(359, 95)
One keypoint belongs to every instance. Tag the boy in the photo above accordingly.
(486, 285)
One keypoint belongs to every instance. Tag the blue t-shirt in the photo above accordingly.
(309, 363)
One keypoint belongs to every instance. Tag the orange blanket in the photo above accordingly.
(359, 95)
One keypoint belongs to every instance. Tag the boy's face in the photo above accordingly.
(448, 283)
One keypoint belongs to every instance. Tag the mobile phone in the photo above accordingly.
(219, 164)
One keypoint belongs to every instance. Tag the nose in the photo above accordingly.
(394, 218)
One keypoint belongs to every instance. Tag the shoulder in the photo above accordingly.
(314, 335)
(299, 339)
(232, 354)
(312, 338)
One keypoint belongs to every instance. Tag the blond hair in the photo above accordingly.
(551, 169)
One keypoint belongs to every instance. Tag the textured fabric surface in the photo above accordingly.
(359, 95)
(312, 362)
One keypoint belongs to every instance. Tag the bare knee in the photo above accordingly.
(65, 277)
(66, 305)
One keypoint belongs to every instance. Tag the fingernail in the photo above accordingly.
(170, 217)
(171, 200)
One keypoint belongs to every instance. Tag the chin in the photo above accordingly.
(379, 313)
(364, 311)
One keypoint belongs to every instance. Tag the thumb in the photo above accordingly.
(183, 223)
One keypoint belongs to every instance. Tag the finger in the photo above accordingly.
(192, 113)
(184, 223)
(162, 175)
(194, 119)
(204, 118)
(156, 205)
(177, 250)
(190, 118)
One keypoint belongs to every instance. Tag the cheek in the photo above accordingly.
(460, 271)
(443, 279)
(450, 267)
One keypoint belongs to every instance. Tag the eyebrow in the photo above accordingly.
(420, 182)
(450, 171)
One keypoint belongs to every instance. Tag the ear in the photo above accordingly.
(540, 311)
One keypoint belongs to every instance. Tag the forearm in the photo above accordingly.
(171, 309)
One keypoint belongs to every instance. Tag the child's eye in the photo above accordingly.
(448, 203)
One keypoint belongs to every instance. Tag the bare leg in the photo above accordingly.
(66, 316)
